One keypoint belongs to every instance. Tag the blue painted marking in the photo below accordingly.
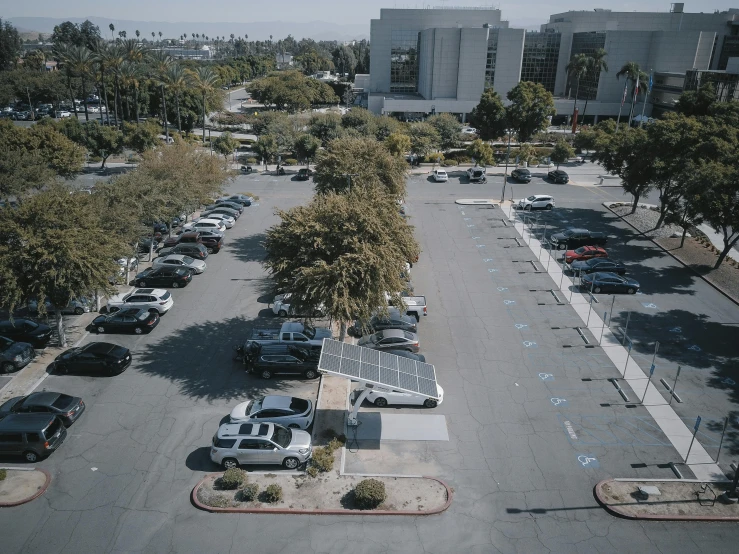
(558, 401)
(467, 218)
(529, 344)
(694, 348)
(486, 260)
(492, 271)
(676, 330)
(588, 461)
(475, 238)
(481, 246)
(521, 326)
(471, 225)
(546, 376)
(501, 289)
(649, 305)
(729, 381)
(509, 302)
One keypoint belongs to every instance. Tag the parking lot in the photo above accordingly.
(528, 438)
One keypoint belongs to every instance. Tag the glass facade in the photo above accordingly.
(404, 61)
(586, 43)
(492, 56)
(540, 55)
(725, 84)
(730, 50)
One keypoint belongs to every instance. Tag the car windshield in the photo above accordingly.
(62, 402)
(187, 260)
(142, 315)
(593, 262)
(180, 271)
(282, 436)
(580, 250)
(377, 337)
(30, 324)
(568, 233)
(165, 296)
(5, 344)
(531, 198)
(254, 406)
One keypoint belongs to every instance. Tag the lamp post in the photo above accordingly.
(507, 156)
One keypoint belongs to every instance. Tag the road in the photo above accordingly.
(522, 482)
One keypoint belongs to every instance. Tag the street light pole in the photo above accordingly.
(507, 156)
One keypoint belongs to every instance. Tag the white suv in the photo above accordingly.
(154, 300)
(440, 176)
(206, 224)
(536, 202)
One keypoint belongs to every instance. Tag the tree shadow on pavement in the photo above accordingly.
(249, 248)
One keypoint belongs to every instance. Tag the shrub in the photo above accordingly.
(290, 161)
(273, 493)
(449, 163)
(369, 494)
(336, 443)
(233, 478)
(3, 474)
(249, 492)
(312, 471)
(251, 160)
(218, 502)
(323, 458)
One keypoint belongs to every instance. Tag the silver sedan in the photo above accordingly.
(180, 260)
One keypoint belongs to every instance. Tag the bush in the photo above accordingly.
(233, 478)
(218, 502)
(3, 474)
(336, 443)
(251, 160)
(449, 163)
(249, 492)
(369, 494)
(312, 471)
(273, 493)
(323, 458)
(290, 161)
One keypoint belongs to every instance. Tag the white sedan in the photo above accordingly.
(227, 220)
(440, 176)
(289, 411)
(180, 260)
(206, 224)
(382, 397)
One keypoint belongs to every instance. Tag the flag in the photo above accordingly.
(626, 90)
(650, 81)
(636, 90)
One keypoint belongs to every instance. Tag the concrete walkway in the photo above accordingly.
(717, 240)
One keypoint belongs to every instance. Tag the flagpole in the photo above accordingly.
(623, 99)
(633, 100)
(646, 96)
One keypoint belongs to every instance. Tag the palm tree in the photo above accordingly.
(596, 64)
(130, 74)
(80, 61)
(114, 57)
(100, 56)
(138, 34)
(133, 51)
(177, 80)
(577, 68)
(153, 34)
(112, 28)
(204, 81)
(61, 51)
(633, 74)
(160, 36)
(159, 63)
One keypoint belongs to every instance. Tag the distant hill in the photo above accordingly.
(317, 30)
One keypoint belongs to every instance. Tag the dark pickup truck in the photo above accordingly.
(572, 238)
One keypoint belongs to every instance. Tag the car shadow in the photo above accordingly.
(199, 460)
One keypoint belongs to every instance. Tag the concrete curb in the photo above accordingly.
(34, 496)
(673, 256)
(440, 509)
(613, 510)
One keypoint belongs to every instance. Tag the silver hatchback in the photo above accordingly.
(260, 443)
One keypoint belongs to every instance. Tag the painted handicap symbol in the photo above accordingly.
(558, 401)
(649, 305)
(694, 348)
(676, 330)
(529, 344)
(492, 270)
(509, 302)
(471, 225)
(486, 260)
(588, 461)
(546, 376)
(728, 381)
(521, 326)
(501, 289)
(481, 246)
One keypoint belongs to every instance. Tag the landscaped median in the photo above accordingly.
(18, 486)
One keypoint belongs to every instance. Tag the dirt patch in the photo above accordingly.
(331, 409)
(21, 486)
(328, 491)
(676, 500)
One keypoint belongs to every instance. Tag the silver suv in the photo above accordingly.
(260, 443)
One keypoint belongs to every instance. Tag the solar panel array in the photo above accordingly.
(379, 368)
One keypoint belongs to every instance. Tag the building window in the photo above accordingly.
(404, 61)
(730, 50)
(586, 43)
(540, 56)
(492, 56)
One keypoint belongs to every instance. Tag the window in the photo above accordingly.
(586, 43)
(52, 429)
(249, 444)
(285, 336)
(540, 56)
(223, 443)
(491, 58)
(299, 337)
(404, 61)
(33, 437)
(11, 438)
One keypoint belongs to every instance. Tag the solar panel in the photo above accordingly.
(378, 368)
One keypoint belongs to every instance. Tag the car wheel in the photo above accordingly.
(380, 402)
(528, 208)
(549, 206)
(78, 311)
(210, 250)
(175, 285)
(266, 374)
(142, 284)
(290, 463)
(7, 367)
(596, 290)
(631, 290)
(30, 456)
(100, 329)
(311, 374)
(138, 330)
(282, 313)
(230, 463)
(430, 403)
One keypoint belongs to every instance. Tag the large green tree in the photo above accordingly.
(103, 141)
(489, 116)
(306, 148)
(424, 138)
(530, 110)
(10, 45)
(562, 152)
(225, 145)
(481, 152)
(448, 128)
(718, 200)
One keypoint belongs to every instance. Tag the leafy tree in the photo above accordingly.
(85, 34)
(718, 202)
(386, 126)
(530, 110)
(367, 161)
(141, 138)
(697, 102)
(264, 121)
(306, 147)
(489, 116)
(342, 251)
(448, 128)
(526, 153)
(562, 152)
(225, 145)
(325, 127)
(291, 91)
(35, 60)
(266, 148)
(344, 60)
(10, 45)
(31, 85)
(360, 119)
(481, 152)
(311, 62)
(398, 143)
(103, 141)
(424, 138)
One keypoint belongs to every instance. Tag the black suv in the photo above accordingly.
(174, 277)
(522, 175)
(268, 359)
(558, 176)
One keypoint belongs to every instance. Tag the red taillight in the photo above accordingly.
(70, 413)
(46, 444)
(424, 310)
(162, 303)
(152, 322)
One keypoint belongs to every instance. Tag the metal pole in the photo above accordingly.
(541, 241)
(721, 443)
(592, 284)
(628, 353)
(611, 316)
(672, 394)
(649, 380)
(695, 432)
(505, 176)
(562, 278)
(626, 328)
(602, 328)
(656, 349)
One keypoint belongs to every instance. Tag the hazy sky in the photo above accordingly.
(519, 13)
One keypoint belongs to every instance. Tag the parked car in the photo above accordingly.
(180, 260)
(597, 264)
(65, 407)
(76, 306)
(61, 114)
(572, 238)
(194, 250)
(536, 202)
(608, 282)
(260, 443)
(33, 436)
(394, 320)
(585, 253)
(37, 335)
(409, 355)
(384, 396)
(239, 198)
(391, 339)
(130, 320)
(476, 175)
(158, 300)
(182, 236)
(14, 355)
(288, 411)
(94, 358)
(304, 174)
(440, 176)
(558, 176)
(227, 220)
(281, 307)
(222, 209)
(271, 359)
(468, 131)
(147, 244)
(128, 263)
(227, 205)
(521, 174)
(174, 277)
(291, 332)
(206, 223)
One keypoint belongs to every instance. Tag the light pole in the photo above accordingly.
(507, 156)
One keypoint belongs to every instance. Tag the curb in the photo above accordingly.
(440, 509)
(715, 287)
(38, 493)
(617, 513)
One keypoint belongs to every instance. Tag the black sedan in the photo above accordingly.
(608, 282)
(95, 358)
(521, 174)
(37, 335)
(132, 320)
(597, 264)
(558, 176)
(174, 277)
(238, 198)
(67, 408)
(394, 320)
